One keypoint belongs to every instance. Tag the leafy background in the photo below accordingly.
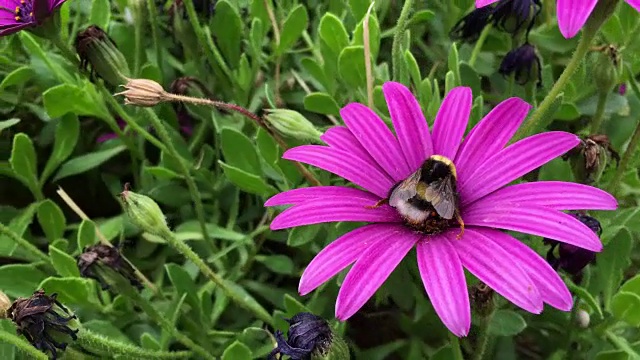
(314, 65)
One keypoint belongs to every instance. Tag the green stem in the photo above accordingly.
(455, 346)
(129, 291)
(234, 295)
(625, 160)
(596, 123)
(478, 47)
(588, 34)
(29, 247)
(155, 29)
(396, 51)
(484, 337)
(104, 345)
(66, 52)
(621, 344)
(191, 184)
(137, 40)
(22, 345)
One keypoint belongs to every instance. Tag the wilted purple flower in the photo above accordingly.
(99, 261)
(468, 28)
(368, 154)
(523, 62)
(16, 15)
(307, 334)
(513, 15)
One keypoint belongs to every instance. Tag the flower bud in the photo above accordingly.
(143, 92)
(590, 158)
(607, 67)
(582, 319)
(97, 49)
(524, 63)
(5, 304)
(144, 212)
(292, 123)
(310, 337)
(101, 262)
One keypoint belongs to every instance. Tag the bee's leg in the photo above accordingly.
(459, 218)
(378, 204)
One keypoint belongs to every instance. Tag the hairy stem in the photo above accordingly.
(625, 160)
(99, 343)
(20, 241)
(596, 122)
(455, 346)
(478, 47)
(483, 342)
(22, 345)
(396, 51)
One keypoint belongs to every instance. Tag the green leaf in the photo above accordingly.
(506, 323)
(19, 226)
(585, 296)
(51, 219)
(239, 151)
(72, 290)
(66, 137)
(293, 306)
(64, 264)
(62, 99)
(87, 162)
(100, 13)
(632, 285)
(237, 351)
(227, 28)
(86, 234)
(332, 31)
(24, 162)
(184, 284)
(351, 66)
(279, 264)
(295, 23)
(250, 301)
(245, 181)
(625, 306)
(359, 8)
(20, 280)
(19, 76)
(301, 235)
(5, 124)
(321, 103)
(612, 261)
(374, 36)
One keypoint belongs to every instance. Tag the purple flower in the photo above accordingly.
(572, 14)
(368, 154)
(16, 15)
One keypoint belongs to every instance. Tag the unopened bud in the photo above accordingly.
(292, 123)
(144, 212)
(97, 49)
(583, 319)
(143, 92)
(607, 67)
(5, 304)
(590, 158)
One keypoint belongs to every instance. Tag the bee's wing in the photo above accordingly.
(441, 195)
(405, 190)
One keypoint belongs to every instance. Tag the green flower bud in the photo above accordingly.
(96, 48)
(607, 67)
(144, 213)
(292, 123)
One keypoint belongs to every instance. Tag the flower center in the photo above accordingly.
(22, 12)
(428, 199)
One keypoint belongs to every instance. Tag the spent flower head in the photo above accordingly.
(16, 15)
(523, 63)
(43, 321)
(468, 28)
(143, 92)
(514, 15)
(101, 262)
(98, 51)
(444, 195)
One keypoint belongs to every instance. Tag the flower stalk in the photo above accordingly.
(596, 123)
(101, 344)
(396, 51)
(625, 160)
(20, 241)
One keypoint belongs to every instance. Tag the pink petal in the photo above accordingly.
(411, 127)
(322, 210)
(634, 3)
(557, 195)
(443, 278)
(451, 121)
(494, 266)
(343, 164)
(513, 162)
(301, 195)
(491, 135)
(376, 138)
(553, 290)
(482, 3)
(573, 14)
(534, 220)
(371, 269)
(341, 253)
(341, 138)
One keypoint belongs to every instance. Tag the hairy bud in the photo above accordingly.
(143, 92)
(292, 123)
(144, 212)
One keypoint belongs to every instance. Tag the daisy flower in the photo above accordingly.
(369, 155)
(572, 14)
(16, 15)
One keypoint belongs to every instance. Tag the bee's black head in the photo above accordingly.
(434, 169)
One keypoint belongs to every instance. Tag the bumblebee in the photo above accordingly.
(428, 198)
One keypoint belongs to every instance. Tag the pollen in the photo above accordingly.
(18, 18)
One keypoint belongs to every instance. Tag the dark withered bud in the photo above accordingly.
(524, 64)
(309, 337)
(590, 158)
(101, 262)
(468, 28)
(100, 53)
(482, 299)
(512, 16)
(607, 67)
(570, 258)
(43, 321)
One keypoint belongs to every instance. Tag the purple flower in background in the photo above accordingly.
(622, 89)
(16, 15)
(368, 154)
(572, 14)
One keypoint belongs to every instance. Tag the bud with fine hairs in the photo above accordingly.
(606, 65)
(292, 123)
(99, 52)
(143, 92)
(5, 304)
(144, 212)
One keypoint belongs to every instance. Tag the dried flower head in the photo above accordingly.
(98, 50)
(143, 92)
(41, 320)
(100, 262)
(590, 158)
(468, 28)
(514, 15)
(524, 63)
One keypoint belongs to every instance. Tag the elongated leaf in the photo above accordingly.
(51, 219)
(295, 23)
(24, 162)
(64, 264)
(87, 162)
(67, 133)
